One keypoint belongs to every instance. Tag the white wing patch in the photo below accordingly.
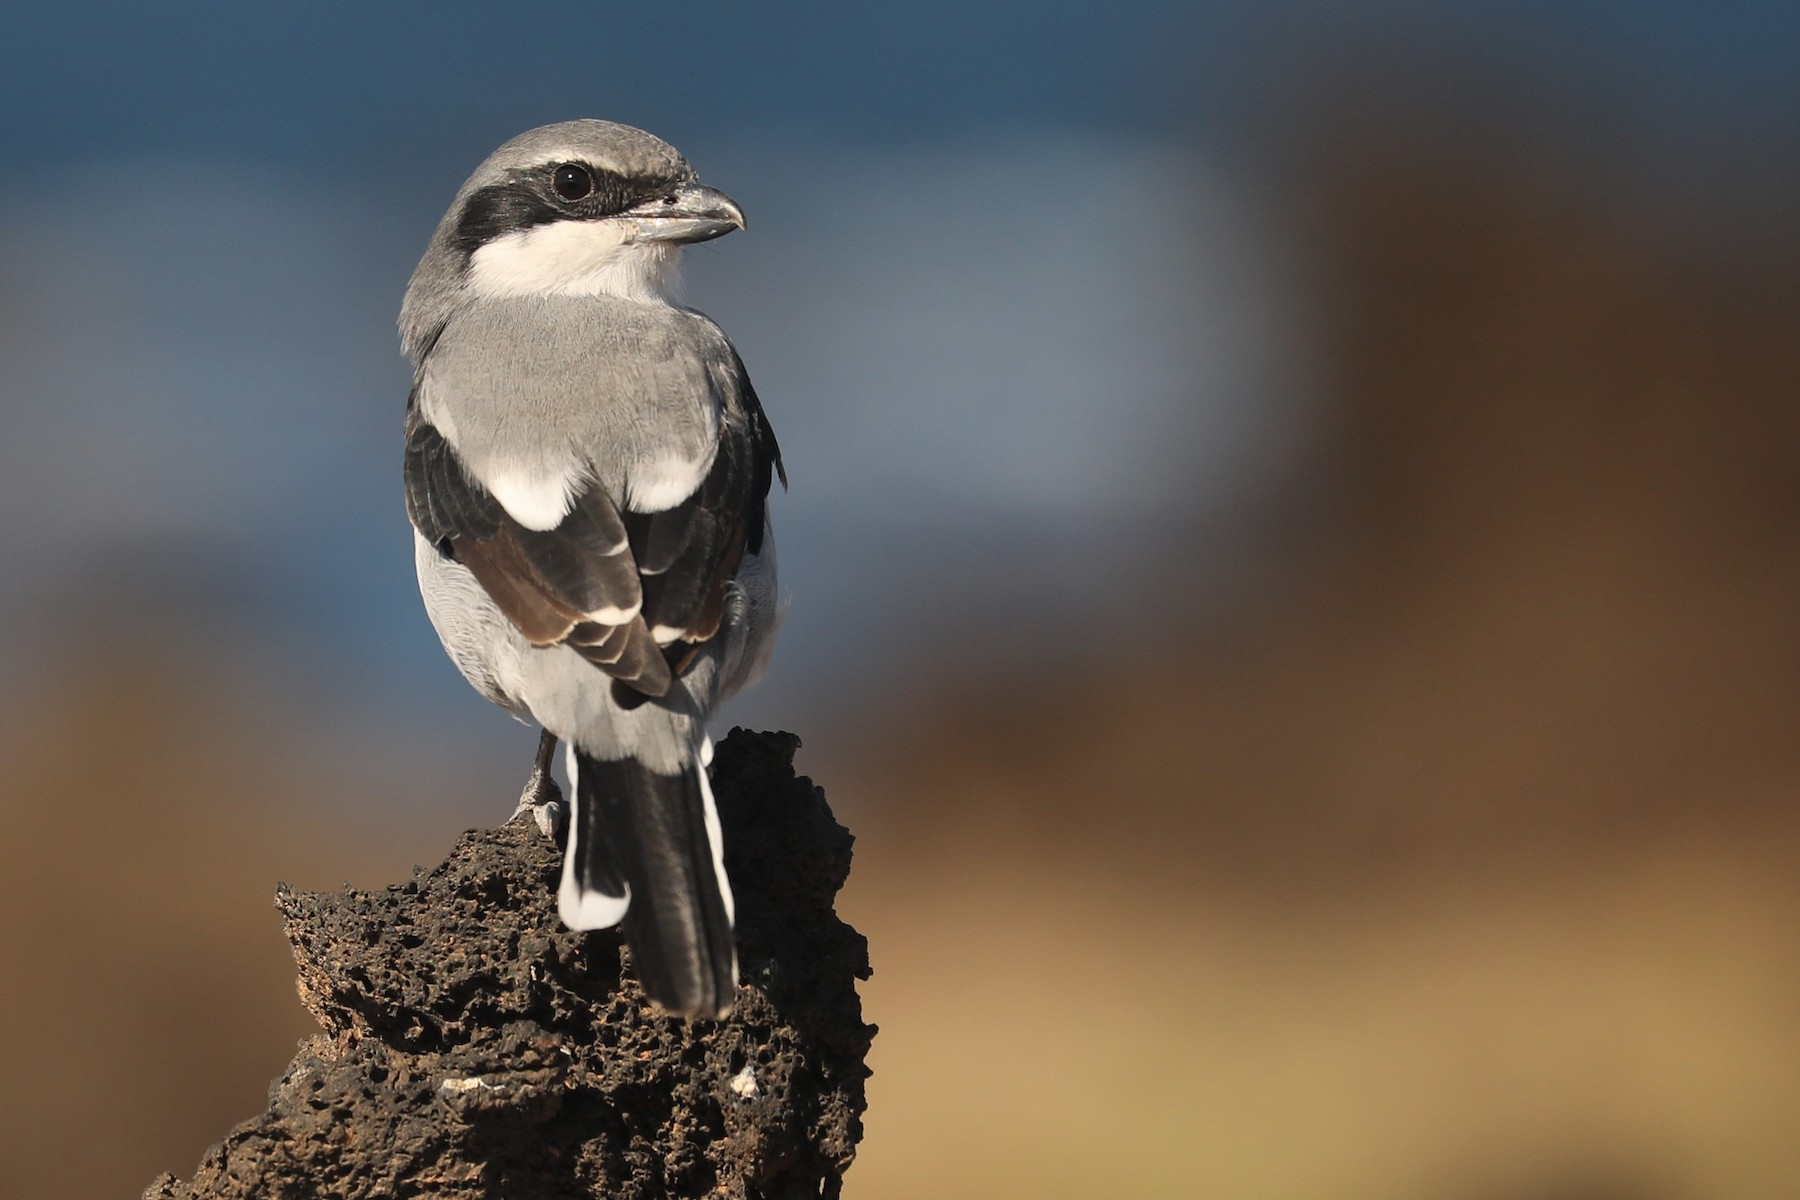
(576, 258)
(661, 483)
(536, 499)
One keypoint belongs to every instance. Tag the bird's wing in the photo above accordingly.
(635, 593)
(686, 555)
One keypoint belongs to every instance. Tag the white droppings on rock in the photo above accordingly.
(744, 1083)
(470, 1084)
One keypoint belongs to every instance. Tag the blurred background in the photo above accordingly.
(1294, 552)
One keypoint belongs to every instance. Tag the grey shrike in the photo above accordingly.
(586, 472)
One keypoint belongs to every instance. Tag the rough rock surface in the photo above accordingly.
(473, 1047)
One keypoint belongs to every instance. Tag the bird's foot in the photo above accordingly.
(543, 799)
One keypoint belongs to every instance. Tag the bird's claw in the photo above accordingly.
(543, 799)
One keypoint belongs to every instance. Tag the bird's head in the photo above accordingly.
(578, 208)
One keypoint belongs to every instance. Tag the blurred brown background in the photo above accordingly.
(1440, 845)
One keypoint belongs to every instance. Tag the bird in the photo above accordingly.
(587, 474)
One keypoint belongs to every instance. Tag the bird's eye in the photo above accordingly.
(572, 181)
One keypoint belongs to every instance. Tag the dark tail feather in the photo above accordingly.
(644, 847)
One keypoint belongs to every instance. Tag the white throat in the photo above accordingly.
(577, 258)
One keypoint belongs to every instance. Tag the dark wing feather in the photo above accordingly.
(711, 534)
(766, 455)
(657, 539)
(503, 571)
(586, 558)
(688, 554)
(439, 497)
(625, 652)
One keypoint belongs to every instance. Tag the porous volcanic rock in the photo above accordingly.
(473, 1047)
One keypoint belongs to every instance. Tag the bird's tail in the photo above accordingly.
(645, 848)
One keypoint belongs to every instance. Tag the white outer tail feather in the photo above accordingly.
(715, 838)
(581, 910)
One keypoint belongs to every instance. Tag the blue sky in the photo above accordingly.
(341, 82)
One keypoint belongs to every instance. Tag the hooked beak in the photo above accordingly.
(692, 213)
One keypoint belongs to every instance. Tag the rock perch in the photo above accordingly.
(473, 1047)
